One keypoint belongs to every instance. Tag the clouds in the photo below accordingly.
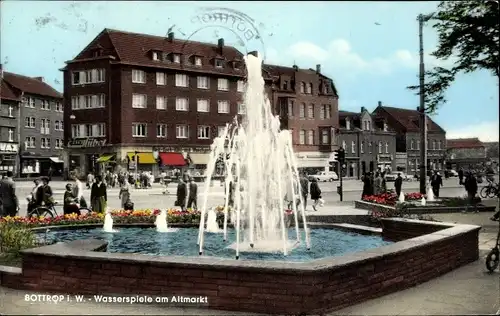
(485, 131)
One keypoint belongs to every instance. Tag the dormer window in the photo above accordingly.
(197, 61)
(285, 85)
(386, 128)
(219, 63)
(347, 124)
(177, 58)
(155, 56)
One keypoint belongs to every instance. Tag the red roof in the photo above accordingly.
(172, 159)
(30, 85)
(6, 92)
(464, 143)
(409, 119)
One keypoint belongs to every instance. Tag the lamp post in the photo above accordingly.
(423, 116)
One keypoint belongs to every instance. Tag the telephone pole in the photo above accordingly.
(423, 116)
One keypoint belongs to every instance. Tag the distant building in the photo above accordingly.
(492, 151)
(39, 122)
(405, 123)
(9, 129)
(368, 141)
(465, 153)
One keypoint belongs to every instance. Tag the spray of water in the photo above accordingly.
(260, 168)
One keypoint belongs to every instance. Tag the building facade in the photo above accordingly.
(128, 95)
(9, 129)
(40, 123)
(465, 153)
(405, 123)
(368, 142)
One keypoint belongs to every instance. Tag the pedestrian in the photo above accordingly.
(377, 185)
(70, 204)
(98, 195)
(315, 193)
(78, 193)
(384, 183)
(124, 194)
(366, 185)
(181, 194)
(9, 204)
(90, 180)
(193, 194)
(398, 184)
(436, 183)
(471, 188)
(304, 190)
(460, 176)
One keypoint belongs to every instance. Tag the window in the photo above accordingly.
(203, 132)
(202, 82)
(418, 144)
(177, 58)
(310, 137)
(95, 130)
(59, 107)
(362, 147)
(197, 61)
(412, 144)
(324, 137)
(223, 106)
(139, 129)
(58, 125)
(290, 108)
(302, 140)
(11, 134)
(379, 147)
(202, 105)
(11, 111)
(29, 142)
(59, 143)
(181, 131)
(310, 111)
(45, 105)
(181, 80)
(161, 130)
(303, 110)
(29, 122)
(31, 102)
(181, 104)
(77, 131)
(386, 147)
(242, 108)
(386, 127)
(45, 143)
(309, 88)
(219, 63)
(353, 147)
(138, 76)
(344, 145)
(161, 78)
(347, 123)
(439, 144)
(155, 56)
(161, 102)
(302, 87)
(370, 145)
(45, 126)
(325, 111)
(285, 85)
(222, 84)
(139, 101)
(241, 86)
(88, 102)
(434, 144)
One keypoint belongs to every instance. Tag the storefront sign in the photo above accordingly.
(9, 148)
(86, 143)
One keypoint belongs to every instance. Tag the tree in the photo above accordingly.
(468, 31)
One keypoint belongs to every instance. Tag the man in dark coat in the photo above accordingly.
(461, 176)
(398, 184)
(9, 204)
(436, 183)
(366, 185)
(99, 195)
(471, 188)
(304, 190)
(193, 194)
(181, 194)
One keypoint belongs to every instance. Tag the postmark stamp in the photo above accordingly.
(242, 26)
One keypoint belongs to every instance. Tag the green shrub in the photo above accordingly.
(14, 238)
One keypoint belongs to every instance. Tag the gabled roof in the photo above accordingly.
(349, 114)
(409, 118)
(30, 85)
(464, 143)
(6, 92)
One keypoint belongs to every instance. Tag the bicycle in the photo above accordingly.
(493, 257)
(50, 211)
(489, 191)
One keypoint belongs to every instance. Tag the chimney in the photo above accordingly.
(318, 68)
(220, 43)
(296, 67)
(363, 109)
(379, 103)
(39, 79)
(171, 36)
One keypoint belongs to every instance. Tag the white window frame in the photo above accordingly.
(161, 102)
(203, 105)
(203, 132)
(240, 86)
(137, 128)
(177, 58)
(139, 101)
(324, 137)
(219, 63)
(29, 142)
(11, 134)
(222, 84)
(161, 130)
(155, 56)
(181, 80)
(11, 111)
(302, 110)
(386, 147)
(161, 79)
(182, 106)
(223, 107)
(362, 147)
(344, 145)
(353, 147)
(59, 143)
(310, 137)
(310, 111)
(138, 76)
(198, 61)
(182, 131)
(379, 147)
(302, 137)
(202, 82)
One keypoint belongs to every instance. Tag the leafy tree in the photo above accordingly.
(468, 31)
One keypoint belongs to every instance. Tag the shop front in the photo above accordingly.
(9, 157)
(385, 162)
(86, 155)
(142, 162)
(313, 162)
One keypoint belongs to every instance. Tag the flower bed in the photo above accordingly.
(391, 198)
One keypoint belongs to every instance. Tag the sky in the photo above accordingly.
(369, 49)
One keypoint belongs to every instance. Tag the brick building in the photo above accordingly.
(38, 130)
(405, 123)
(9, 128)
(128, 93)
(368, 141)
(465, 153)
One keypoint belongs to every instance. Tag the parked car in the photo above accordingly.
(451, 173)
(325, 176)
(392, 176)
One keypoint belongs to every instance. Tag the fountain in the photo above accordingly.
(161, 223)
(430, 195)
(212, 225)
(108, 222)
(401, 197)
(259, 164)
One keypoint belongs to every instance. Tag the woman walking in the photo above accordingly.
(98, 195)
(315, 193)
(124, 194)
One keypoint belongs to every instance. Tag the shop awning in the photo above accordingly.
(105, 158)
(144, 158)
(172, 159)
(56, 160)
(200, 159)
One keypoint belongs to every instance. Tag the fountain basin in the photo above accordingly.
(429, 249)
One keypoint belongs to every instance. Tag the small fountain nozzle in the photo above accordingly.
(251, 245)
(237, 257)
(201, 252)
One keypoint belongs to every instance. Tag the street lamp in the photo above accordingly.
(72, 117)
